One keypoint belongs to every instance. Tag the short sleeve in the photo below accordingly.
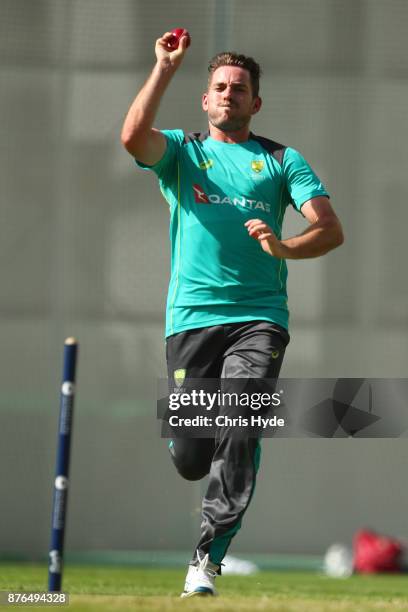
(301, 181)
(166, 165)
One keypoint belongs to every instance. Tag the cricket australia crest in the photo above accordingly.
(257, 165)
(179, 377)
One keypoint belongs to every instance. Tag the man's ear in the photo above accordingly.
(204, 102)
(256, 105)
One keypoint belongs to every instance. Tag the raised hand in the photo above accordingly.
(165, 52)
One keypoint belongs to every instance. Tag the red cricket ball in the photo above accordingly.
(177, 33)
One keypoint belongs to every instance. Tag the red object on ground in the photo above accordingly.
(375, 553)
(177, 34)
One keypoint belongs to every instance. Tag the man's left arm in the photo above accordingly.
(323, 234)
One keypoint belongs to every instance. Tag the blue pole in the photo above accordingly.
(59, 512)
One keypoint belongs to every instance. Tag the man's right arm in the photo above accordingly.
(139, 138)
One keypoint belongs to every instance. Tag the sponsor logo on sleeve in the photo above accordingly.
(206, 164)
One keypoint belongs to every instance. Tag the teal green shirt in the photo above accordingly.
(218, 273)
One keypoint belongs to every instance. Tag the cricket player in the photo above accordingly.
(227, 315)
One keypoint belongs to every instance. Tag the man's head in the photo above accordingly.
(228, 58)
(233, 91)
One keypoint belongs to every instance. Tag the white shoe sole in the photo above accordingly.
(198, 594)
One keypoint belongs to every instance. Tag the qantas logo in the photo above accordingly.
(200, 197)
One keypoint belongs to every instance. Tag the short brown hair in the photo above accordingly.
(230, 58)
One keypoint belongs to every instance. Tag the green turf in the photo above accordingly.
(117, 588)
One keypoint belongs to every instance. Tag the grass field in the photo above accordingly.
(101, 588)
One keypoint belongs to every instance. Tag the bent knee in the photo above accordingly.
(190, 462)
(190, 469)
(191, 472)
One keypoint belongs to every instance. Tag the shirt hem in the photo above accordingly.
(212, 322)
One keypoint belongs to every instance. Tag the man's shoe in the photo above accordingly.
(200, 579)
